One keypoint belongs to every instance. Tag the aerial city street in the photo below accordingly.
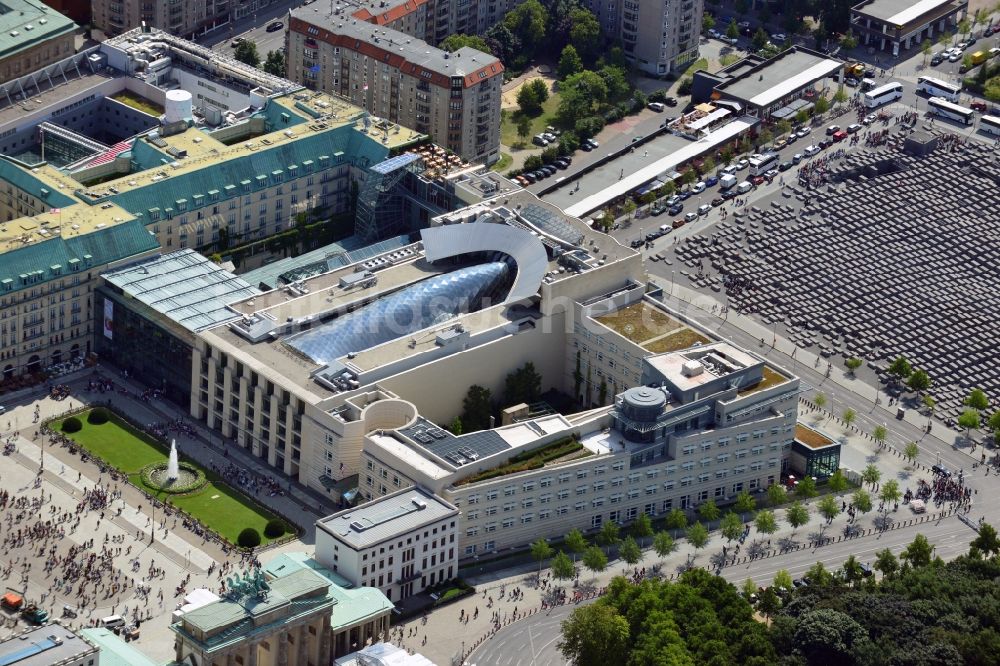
(554, 333)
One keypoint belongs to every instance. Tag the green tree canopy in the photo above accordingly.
(709, 511)
(562, 566)
(569, 62)
(797, 514)
(745, 502)
(595, 635)
(918, 380)
(275, 64)
(609, 534)
(977, 400)
(806, 488)
(862, 500)
(765, 522)
(828, 507)
(871, 474)
(663, 544)
(782, 579)
(595, 559)
(541, 551)
(969, 419)
(889, 493)
(642, 528)
(986, 542)
(454, 42)
(476, 409)
(776, 494)
(630, 551)
(523, 385)
(575, 542)
(697, 535)
(918, 553)
(900, 368)
(527, 22)
(676, 520)
(531, 96)
(246, 52)
(585, 34)
(837, 481)
(731, 526)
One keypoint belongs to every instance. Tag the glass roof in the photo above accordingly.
(416, 307)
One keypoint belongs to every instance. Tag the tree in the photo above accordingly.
(765, 522)
(840, 97)
(630, 551)
(993, 423)
(967, 63)
(797, 515)
(745, 503)
(782, 579)
(822, 105)
(595, 560)
(527, 23)
(964, 26)
(578, 94)
(456, 426)
(748, 589)
(246, 52)
(969, 419)
(523, 385)
(697, 536)
(731, 526)
(852, 363)
(759, 39)
(769, 603)
(806, 488)
(531, 96)
(871, 474)
(886, 563)
(918, 381)
(987, 541)
(899, 369)
(879, 434)
(502, 42)
(862, 500)
(628, 208)
(849, 416)
(732, 30)
(991, 90)
(837, 481)
(925, 48)
(594, 635)
(818, 575)
(944, 38)
(776, 494)
(585, 33)
(569, 62)
(828, 508)
(663, 544)
(275, 64)
(616, 80)
(454, 42)
(889, 493)
(765, 135)
(848, 41)
(911, 451)
(977, 400)
(707, 22)
(708, 511)
(642, 528)
(523, 126)
(541, 551)
(929, 403)
(918, 553)
(476, 409)
(574, 542)
(609, 534)
(676, 520)
(562, 567)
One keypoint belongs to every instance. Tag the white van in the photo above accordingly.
(811, 150)
(744, 187)
(727, 181)
(113, 621)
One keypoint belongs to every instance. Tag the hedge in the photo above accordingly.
(72, 424)
(275, 528)
(248, 538)
(97, 416)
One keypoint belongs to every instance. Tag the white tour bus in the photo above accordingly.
(937, 88)
(890, 92)
(760, 164)
(946, 109)
(990, 125)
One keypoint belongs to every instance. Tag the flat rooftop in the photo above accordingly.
(386, 517)
(43, 646)
(780, 76)
(812, 438)
(51, 95)
(717, 359)
(902, 12)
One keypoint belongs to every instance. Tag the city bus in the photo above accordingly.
(890, 92)
(760, 164)
(946, 109)
(937, 88)
(990, 125)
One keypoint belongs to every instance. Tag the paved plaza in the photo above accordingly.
(901, 263)
(73, 535)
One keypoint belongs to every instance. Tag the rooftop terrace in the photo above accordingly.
(808, 437)
(651, 328)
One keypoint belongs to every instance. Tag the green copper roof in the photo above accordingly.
(339, 145)
(22, 179)
(115, 651)
(103, 246)
(25, 23)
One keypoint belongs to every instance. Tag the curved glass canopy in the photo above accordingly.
(416, 307)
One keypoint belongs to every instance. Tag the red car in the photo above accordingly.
(979, 106)
(839, 135)
(757, 180)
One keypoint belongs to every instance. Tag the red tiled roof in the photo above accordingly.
(397, 12)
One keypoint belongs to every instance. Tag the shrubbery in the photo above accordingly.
(248, 538)
(98, 416)
(72, 424)
(275, 528)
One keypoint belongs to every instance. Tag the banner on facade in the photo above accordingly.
(109, 317)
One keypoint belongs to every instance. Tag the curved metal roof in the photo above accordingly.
(522, 246)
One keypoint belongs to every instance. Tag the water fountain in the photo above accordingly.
(173, 469)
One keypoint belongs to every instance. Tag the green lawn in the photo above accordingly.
(508, 128)
(503, 163)
(217, 505)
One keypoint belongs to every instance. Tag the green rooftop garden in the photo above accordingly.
(216, 505)
(138, 103)
(676, 341)
(558, 451)
(770, 378)
(640, 322)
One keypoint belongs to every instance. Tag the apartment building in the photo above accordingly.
(401, 544)
(184, 18)
(32, 36)
(657, 37)
(454, 98)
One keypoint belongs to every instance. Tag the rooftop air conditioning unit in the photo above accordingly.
(692, 368)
